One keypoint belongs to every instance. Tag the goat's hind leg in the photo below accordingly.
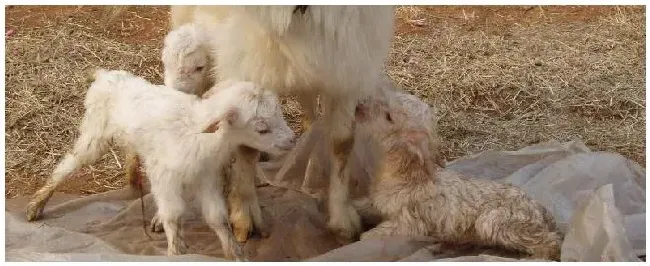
(339, 123)
(87, 149)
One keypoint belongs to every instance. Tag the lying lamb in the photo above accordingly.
(417, 197)
(184, 142)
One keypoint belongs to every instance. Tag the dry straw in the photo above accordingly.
(501, 78)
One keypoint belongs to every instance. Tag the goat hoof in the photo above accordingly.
(347, 227)
(241, 234)
(242, 227)
(156, 225)
(178, 249)
(34, 210)
(234, 254)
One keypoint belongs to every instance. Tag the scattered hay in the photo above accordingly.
(507, 77)
(501, 77)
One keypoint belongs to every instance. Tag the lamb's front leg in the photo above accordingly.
(215, 212)
(339, 123)
(244, 208)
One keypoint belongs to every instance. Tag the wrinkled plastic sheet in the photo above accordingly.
(597, 198)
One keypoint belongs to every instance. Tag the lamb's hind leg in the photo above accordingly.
(339, 123)
(400, 226)
(132, 168)
(519, 231)
(87, 149)
(386, 228)
(168, 197)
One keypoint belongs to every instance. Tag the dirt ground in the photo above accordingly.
(501, 78)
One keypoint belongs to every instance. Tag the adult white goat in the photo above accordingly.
(337, 52)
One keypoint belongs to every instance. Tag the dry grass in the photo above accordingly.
(502, 78)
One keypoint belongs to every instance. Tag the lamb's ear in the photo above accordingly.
(232, 115)
(416, 141)
(213, 127)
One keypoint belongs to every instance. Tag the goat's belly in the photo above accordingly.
(288, 65)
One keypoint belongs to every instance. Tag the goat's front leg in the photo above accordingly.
(215, 212)
(339, 125)
(244, 208)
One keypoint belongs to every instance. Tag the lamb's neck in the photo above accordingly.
(206, 112)
(403, 166)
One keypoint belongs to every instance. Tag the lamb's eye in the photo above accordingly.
(389, 118)
(199, 69)
(265, 131)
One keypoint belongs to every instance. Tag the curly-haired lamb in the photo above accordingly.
(415, 196)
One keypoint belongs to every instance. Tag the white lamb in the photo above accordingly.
(337, 52)
(186, 57)
(183, 141)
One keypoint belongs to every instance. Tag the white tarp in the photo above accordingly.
(598, 200)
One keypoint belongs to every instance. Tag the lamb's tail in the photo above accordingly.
(99, 103)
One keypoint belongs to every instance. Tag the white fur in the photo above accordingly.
(166, 129)
(335, 51)
(187, 48)
(186, 57)
(187, 60)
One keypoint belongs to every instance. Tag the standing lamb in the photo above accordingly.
(184, 142)
(186, 57)
(418, 198)
(335, 51)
